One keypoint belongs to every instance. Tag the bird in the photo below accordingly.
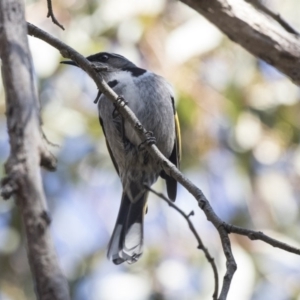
(151, 98)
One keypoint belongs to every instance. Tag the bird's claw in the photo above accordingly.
(150, 140)
(120, 101)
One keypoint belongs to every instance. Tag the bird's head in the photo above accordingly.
(107, 62)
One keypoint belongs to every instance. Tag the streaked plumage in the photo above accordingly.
(151, 98)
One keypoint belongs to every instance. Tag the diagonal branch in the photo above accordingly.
(27, 151)
(223, 228)
(192, 228)
(254, 31)
(276, 17)
(141, 132)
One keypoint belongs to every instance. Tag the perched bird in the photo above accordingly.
(151, 98)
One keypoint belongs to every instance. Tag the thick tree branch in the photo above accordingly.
(254, 31)
(223, 228)
(23, 179)
(277, 17)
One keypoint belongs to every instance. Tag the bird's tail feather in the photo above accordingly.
(126, 243)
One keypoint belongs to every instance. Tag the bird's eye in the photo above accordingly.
(104, 58)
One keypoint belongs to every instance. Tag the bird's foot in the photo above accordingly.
(150, 140)
(119, 102)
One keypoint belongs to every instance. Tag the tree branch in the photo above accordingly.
(27, 150)
(120, 103)
(254, 31)
(192, 228)
(258, 235)
(51, 14)
(276, 17)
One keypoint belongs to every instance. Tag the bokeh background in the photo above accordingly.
(240, 132)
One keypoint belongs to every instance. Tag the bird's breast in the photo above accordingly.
(148, 96)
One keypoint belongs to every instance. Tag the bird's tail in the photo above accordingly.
(126, 243)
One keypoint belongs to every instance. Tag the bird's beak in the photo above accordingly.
(99, 68)
(69, 62)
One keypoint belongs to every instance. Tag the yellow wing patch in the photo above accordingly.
(178, 138)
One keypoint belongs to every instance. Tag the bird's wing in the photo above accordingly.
(108, 147)
(174, 158)
(111, 84)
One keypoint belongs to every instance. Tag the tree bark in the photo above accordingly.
(27, 152)
(257, 33)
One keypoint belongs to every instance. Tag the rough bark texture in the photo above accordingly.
(28, 151)
(257, 33)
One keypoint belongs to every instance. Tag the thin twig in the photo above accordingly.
(258, 235)
(201, 246)
(276, 17)
(230, 262)
(51, 14)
